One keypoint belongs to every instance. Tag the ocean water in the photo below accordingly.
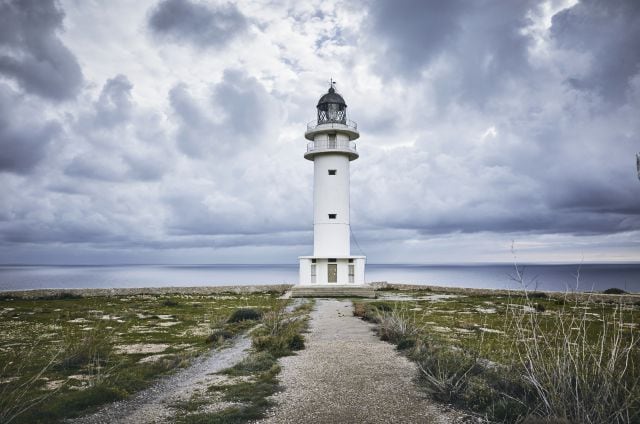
(592, 277)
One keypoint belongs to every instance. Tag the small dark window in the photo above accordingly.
(313, 261)
(350, 261)
(332, 260)
(333, 215)
(332, 172)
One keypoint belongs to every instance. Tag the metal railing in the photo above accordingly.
(336, 124)
(342, 145)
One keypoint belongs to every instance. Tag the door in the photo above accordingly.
(333, 273)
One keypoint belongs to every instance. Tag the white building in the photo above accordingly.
(331, 148)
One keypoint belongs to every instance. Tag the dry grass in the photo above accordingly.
(581, 371)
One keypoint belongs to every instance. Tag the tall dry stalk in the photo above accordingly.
(19, 395)
(583, 368)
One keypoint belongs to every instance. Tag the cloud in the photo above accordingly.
(111, 143)
(184, 21)
(24, 138)
(479, 46)
(238, 115)
(609, 34)
(31, 52)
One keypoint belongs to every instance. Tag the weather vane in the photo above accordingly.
(332, 83)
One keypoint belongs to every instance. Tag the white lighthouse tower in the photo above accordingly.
(331, 148)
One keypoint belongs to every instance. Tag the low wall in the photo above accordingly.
(203, 290)
(624, 298)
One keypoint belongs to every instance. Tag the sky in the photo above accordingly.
(172, 131)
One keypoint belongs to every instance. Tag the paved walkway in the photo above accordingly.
(347, 375)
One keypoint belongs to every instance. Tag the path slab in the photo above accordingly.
(347, 375)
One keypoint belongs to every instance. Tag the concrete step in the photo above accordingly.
(333, 291)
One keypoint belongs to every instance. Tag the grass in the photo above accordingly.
(280, 334)
(63, 356)
(527, 357)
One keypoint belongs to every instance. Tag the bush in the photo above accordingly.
(63, 295)
(296, 342)
(169, 302)
(614, 290)
(218, 336)
(245, 314)
(406, 343)
(397, 324)
(445, 372)
(382, 306)
(539, 307)
(537, 295)
(256, 362)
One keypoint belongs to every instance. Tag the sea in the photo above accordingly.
(564, 277)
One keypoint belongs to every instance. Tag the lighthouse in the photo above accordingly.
(331, 147)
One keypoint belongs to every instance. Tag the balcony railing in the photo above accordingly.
(336, 124)
(341, 145)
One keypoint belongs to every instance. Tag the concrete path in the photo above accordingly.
(347, 375)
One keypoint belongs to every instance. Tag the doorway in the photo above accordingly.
(332, 270)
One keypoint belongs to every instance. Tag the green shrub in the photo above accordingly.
(218, 336)
(62, 295)
(444, 371)
(170, 302)
(539, 307)
(245, 314)
(296, 342)
(256, 362)
(406, 343)
(537, 295)
(614, 290)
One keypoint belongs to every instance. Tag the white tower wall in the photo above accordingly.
(331, 236)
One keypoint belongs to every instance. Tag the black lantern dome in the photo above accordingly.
(332, 108)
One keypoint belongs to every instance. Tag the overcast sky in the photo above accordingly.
(173, 131)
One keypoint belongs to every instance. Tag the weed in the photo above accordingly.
(92, 347)
(245, 314)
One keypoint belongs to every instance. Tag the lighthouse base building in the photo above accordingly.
(332, 270)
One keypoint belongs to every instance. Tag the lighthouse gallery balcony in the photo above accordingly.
(331, 146)
(343, 126)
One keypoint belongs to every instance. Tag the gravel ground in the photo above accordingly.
(346, 374)
(153, 404)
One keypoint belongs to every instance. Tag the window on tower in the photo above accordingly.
(332, 172)
(333, 215)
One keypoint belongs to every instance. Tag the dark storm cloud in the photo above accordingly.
(196, 23)
(558, 161)
(31, 52)
(609, 32)
(23, 137)
(483, 42)
(415, 31)
(238, 115)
